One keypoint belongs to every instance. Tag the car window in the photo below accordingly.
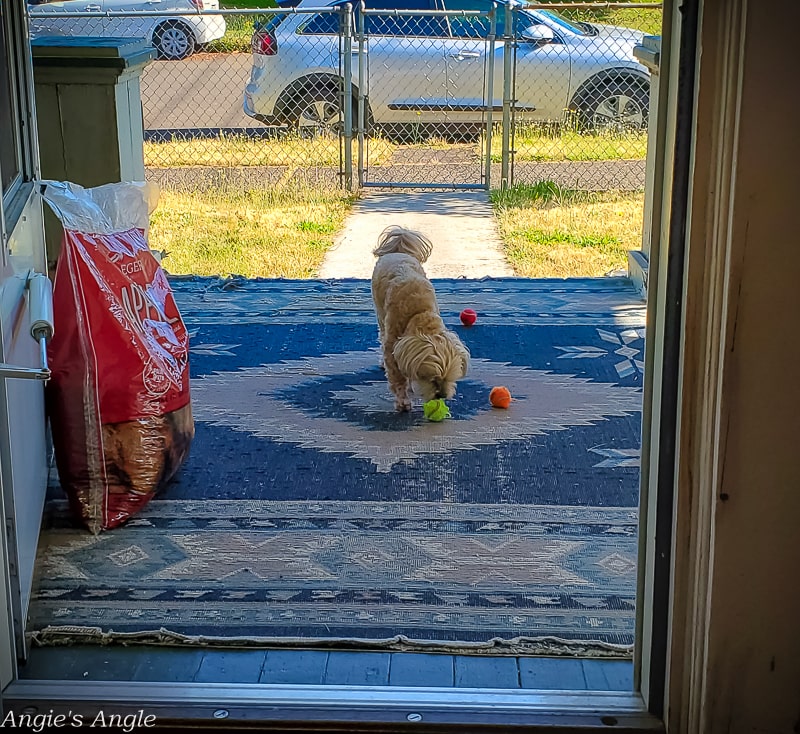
(402, 5)
(406, 25)
(478, 26)
(473, 26)
(551, 18)
(324, 23)
(385, 25)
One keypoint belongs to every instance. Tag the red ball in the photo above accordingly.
(468, 317)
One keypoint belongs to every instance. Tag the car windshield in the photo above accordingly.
(553, 18)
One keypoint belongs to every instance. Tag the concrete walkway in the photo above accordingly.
(460, 224)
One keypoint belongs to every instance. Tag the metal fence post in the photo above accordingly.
(487, 176)
(362, 97)
(347, 18)
(508, 43)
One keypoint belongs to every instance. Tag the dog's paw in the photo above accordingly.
(402, 405)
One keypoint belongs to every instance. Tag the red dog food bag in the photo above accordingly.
(118, 399)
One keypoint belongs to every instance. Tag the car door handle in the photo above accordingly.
(92, 8)
(466, 55)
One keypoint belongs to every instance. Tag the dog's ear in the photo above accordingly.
(464, 363)
(410, 352)
(461, 351)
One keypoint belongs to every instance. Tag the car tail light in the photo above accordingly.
(264, 43)
(197, 4)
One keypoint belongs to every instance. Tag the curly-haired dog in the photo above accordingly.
(417, 348)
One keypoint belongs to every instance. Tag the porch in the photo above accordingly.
(495, 550)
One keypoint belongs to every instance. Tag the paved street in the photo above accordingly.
(204, 90)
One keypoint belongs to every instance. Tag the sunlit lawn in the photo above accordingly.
(240, 150)
(281, 233)
(551, 232)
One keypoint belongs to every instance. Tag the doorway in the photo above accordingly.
(619, 344)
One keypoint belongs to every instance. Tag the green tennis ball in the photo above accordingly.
(436, 410)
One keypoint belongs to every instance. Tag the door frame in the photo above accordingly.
(21, 227)
(677, 535)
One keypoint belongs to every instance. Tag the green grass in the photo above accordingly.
(643, 19)
(533, 143)
(281, 233)
(239, 150)
(237, 38)
(239, 27)
(548, 142)
(547, 231)
(551, 232)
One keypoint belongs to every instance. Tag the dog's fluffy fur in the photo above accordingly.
(417, 348)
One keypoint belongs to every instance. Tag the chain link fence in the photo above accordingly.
(452, 93)
(266, 111)
(599, 139)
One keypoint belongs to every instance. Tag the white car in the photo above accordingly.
(432, 68)
(174, 37)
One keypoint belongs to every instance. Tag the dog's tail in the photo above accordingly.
(398, 239)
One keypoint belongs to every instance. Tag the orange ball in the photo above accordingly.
(500, 397)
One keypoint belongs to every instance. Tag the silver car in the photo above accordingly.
(429, 69)
(174, 37)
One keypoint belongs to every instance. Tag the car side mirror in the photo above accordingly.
(539, 33)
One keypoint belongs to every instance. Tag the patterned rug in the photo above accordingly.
(310, 513)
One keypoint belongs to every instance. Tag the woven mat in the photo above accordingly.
(309, 513)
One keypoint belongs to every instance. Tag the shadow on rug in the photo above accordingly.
(309, 513)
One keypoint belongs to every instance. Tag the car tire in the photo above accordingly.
(614, 105)
(317, 111)
(174, 41)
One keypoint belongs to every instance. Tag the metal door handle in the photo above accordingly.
(92, 8)
(466, 55)
(40, 305)
(23, 373)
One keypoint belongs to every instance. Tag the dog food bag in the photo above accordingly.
(118, 398)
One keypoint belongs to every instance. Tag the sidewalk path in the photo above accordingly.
(460, 225)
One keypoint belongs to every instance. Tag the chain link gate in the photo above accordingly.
(578, 112)
(425, 98)
(335, 97)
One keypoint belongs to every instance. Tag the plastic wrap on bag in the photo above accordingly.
(118, 399)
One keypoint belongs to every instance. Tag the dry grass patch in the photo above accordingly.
(239, 150)
(543, 142)
(549, 232)
(258, 234)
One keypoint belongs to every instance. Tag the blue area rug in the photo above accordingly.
(310, 512)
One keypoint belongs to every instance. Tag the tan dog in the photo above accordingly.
(417, 348)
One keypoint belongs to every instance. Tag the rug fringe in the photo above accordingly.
(517, 646)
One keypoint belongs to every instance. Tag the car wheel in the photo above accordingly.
(317, 112)
(174, 41)
(621, 105)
